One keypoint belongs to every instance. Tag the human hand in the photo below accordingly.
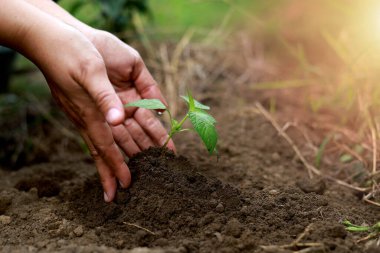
(132, 81)
(78, 80)
(80, 84)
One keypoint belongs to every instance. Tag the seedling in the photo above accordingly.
(372, 230)
(203, 123)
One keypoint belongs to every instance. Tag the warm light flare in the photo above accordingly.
(377, 20)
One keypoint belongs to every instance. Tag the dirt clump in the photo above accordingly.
(168, 203)
(171, 203)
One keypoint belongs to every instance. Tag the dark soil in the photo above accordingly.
(255, 198)
(170, 206)
(173, 204)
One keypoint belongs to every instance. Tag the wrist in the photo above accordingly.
(100, 39)
(16, 19)
(45, 34)
(87, 31)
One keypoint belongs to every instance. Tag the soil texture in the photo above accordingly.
(255, 197)
(170, 207)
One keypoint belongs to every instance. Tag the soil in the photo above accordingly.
(175, 206)
(254, 197)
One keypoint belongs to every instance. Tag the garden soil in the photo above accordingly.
(255, 196)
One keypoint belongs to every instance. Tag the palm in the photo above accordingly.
(132, 81)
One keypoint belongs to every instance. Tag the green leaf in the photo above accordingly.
(197, 104)
(358, 229)
(191, 101)
(345, 158)
(204, 125)
(376, 227)
(152, 104)
(355, 228)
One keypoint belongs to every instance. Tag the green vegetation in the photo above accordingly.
(114, 16)
(164, 19)
(373, 231)
(183, 14)
(203, 123)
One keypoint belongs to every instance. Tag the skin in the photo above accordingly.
(91, 74)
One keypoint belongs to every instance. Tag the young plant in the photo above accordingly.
(372, 230)
(203, 123)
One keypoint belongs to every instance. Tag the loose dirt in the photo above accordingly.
(255, 197)
(170, 206)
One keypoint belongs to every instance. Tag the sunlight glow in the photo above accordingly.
(377, 19)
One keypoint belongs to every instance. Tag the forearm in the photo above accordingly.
(28, 30)
(17, 18)
(51, 8)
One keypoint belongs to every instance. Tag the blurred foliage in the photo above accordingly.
(329, 44)
(114, 16)
(327, 54)
(205, 14)
(164, 19)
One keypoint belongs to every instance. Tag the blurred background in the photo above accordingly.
(314, 65)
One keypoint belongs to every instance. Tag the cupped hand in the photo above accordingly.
(78, 80)
(79, 65)
(132, 81)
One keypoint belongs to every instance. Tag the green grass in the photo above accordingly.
(170, 19)
(179, 15)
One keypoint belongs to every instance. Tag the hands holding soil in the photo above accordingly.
(91, 75)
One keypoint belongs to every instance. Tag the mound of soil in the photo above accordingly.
(170, 207)
(171, 204)
(255, 199)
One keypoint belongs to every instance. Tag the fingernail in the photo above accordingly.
(113, 115)
(121, 184)
(106, 198)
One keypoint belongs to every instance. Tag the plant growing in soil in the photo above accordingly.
(203, 123)
(373, 230)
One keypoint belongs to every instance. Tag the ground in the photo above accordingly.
(255, 196)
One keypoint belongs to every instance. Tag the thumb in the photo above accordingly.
(102, 92)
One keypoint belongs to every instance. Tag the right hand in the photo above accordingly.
(78, 80)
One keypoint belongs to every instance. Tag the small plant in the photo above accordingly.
(372, 230)
(203, 123)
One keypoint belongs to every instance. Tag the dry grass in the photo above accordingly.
(321, 83)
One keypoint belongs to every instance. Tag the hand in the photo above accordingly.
(77, 76)
(132, 81)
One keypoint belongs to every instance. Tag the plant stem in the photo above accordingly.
(182, 121)
(175, 129)
(167, 140)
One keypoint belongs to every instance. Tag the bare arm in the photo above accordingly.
(124, 67)
(77, 78)
(50, 7)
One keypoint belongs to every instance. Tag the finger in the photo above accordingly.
(141, 138)
(129, 95)
(144, 82)
(107, 178)
(125, 140)
(102, 92)
(101, 137)
(171, 146)
(153, 127)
